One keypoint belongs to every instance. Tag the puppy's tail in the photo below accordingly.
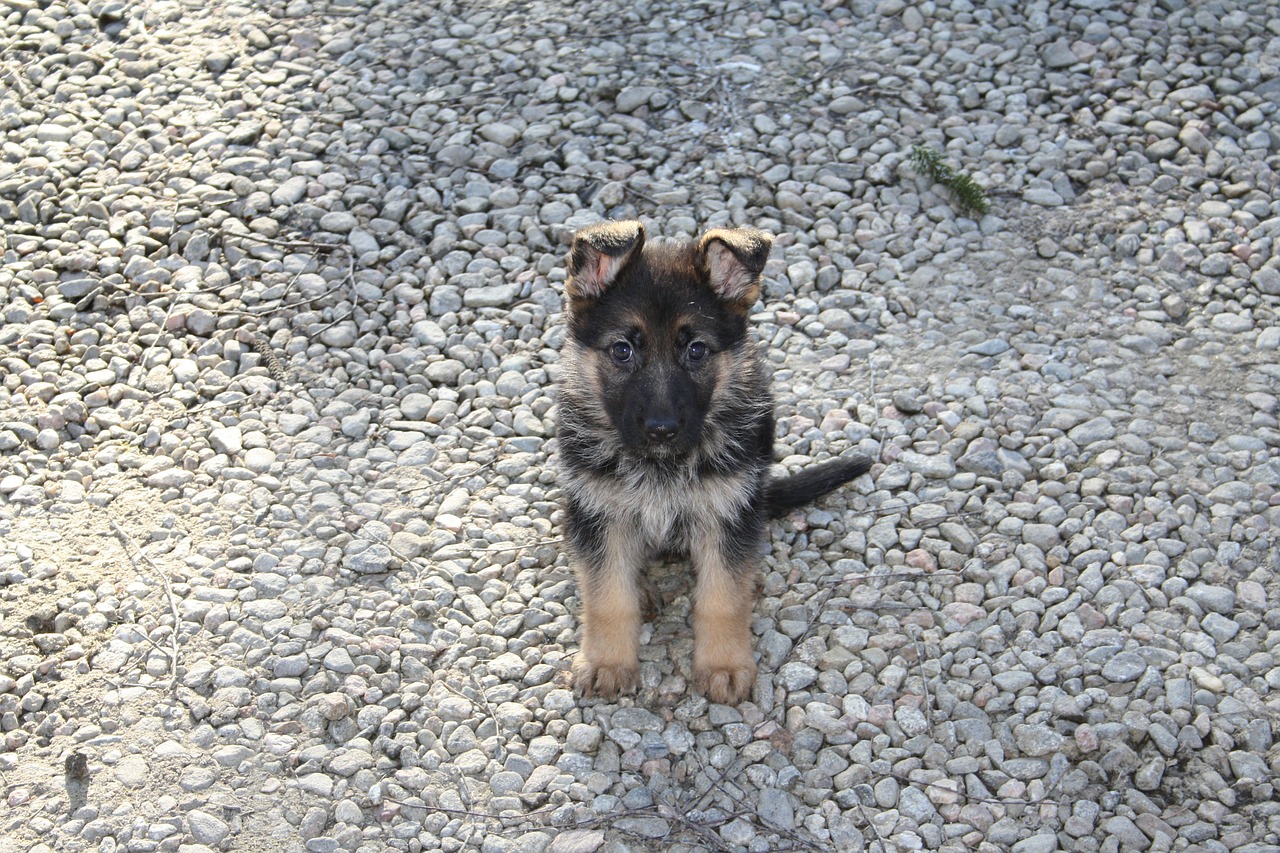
(788, 493)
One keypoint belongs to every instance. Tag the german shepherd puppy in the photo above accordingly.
(665, 429)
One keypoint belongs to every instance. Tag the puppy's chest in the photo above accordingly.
(663, 510)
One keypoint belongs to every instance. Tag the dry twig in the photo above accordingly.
(168, 588)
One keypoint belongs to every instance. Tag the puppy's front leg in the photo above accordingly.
(724, 667)
(609, 661)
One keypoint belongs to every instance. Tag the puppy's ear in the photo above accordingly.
(598, 254)
(734, 259)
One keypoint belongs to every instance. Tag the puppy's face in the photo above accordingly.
(660, 329)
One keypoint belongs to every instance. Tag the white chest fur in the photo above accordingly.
(658, 508)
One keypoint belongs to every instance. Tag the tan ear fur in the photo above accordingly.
(734, 260)
(598, 254)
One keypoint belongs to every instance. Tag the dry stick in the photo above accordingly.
(465, 795)
(315, 259)
(149, 642)
(995, 801)
(484, 700)
(453, 552)
(142, 362)
(890, 576)
(141, 686)
(168, 416)
(693, 800)
(808, 632)
(790, 835)
(883, 510)
(482, 466)
(306, 299)
(702, 830)
(258, 312)
(668, 815)
(472, 812)
(355, 296)
(503, 549)
(314, 245)
(924, 678)
(753, 817)
(876, 432)
(879, 605)
(316, 248)
(168, 588)
(208, 407)
(160, 294)
(739, 799)
(863, 811)
(718, 784)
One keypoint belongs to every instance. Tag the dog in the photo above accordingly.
(665, 431)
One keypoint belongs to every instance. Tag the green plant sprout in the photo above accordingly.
(964, 191)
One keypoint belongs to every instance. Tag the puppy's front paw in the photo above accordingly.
(606, 680)
(727, 684)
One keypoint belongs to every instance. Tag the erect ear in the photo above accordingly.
(598, 254)
(734, 258)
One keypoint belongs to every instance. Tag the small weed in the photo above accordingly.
(964, 191)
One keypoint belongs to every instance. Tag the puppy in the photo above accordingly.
(665, 432)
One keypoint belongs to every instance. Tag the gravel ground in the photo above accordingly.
(279, 555)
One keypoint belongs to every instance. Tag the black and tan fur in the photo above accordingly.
(666, 438)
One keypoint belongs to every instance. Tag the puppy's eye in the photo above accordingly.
(621, 352)
(697, 351)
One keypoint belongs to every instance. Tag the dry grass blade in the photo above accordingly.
(132, 548)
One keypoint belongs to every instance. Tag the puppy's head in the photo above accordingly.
(660, 329)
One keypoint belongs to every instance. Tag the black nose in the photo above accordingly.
(661, 428)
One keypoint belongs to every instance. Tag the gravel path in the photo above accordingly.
(279, 555)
